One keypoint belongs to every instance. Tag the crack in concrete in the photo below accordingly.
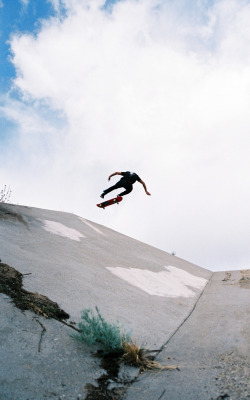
(42, 332)
(162, 394)
(185, 319)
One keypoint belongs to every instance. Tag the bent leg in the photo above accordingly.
(128, 187)
(111, 188)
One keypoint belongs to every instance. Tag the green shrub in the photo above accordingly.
(112, 340)
(94, 330)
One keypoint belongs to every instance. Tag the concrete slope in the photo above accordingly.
(37, 364)
(80, 264)
(202, 318)
(212, 348)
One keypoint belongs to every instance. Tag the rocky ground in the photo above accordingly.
(234, 379)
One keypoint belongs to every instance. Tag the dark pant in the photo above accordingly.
(122, 183)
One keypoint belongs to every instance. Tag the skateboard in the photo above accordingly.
(107, 203)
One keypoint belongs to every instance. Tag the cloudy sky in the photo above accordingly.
(159, 87)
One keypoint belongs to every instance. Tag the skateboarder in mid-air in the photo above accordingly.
(126, 182)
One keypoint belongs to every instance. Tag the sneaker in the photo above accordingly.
(102, 195)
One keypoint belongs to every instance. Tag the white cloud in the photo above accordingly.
(152, 89)
(24, 3)
(56, 4)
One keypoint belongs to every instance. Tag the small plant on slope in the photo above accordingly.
(5, 194)
(134, 355)
(94, 330)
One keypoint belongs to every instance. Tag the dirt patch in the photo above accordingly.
(7, 214)
(244, 282)
(233, 381)
(110, 385)
(227, 277)
(11, 282)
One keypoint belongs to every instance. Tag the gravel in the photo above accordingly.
(234, 379)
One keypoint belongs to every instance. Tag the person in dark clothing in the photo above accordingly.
(126, 182)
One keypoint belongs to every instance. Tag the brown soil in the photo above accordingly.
(8, 214)
(245, 280)
(102, 391)
(11, 282)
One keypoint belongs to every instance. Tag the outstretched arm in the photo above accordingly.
(115, 173)
(145, 187)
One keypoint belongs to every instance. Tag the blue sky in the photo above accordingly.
(154, 86)
(17, 17)
(20, 16)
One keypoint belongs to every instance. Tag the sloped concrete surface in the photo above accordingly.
(212, 349)
(74, 273)
(202, 318)
(61, 368)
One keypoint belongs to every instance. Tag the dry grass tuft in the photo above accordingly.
(138, 357)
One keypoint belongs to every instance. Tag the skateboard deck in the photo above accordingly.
(107, 203)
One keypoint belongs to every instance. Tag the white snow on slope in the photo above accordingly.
(173, 282)
(91, 226)
(62, 230)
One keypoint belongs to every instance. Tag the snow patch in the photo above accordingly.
(91, 226)
(62, 230)
(174, 282)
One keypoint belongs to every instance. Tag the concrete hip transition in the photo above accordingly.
(54, 265)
